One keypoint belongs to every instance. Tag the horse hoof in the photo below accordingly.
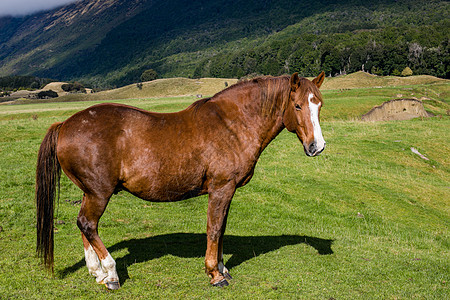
(113, 285)
(227, 276)
(221, 283)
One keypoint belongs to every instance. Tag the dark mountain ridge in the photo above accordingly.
(111, 42)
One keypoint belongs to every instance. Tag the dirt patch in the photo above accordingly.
(398, 109)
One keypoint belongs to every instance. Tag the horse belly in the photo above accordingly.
(165, 187)
(155, 176)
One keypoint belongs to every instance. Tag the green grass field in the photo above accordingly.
(367, 219)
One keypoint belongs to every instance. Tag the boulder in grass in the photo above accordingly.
(398, 109)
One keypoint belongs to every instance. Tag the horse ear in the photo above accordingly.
(319, 79)
(295, 81)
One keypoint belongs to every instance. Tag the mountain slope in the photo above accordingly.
(112, 42)
(42, 41)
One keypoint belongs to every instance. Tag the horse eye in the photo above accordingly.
(298, 107)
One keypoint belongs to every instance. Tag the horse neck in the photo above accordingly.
(275, 96)
(274, 125)
(266, 106)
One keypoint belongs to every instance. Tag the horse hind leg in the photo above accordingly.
(98, 260)
(93, 262)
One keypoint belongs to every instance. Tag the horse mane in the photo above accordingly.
(274, 92)
(198, 104)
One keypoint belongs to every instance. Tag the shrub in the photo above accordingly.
(396, 72)
(149, 75)
(47, 94)
(73, 87)
(376, 71)
(407, 72)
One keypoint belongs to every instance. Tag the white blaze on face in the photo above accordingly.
(314, 109)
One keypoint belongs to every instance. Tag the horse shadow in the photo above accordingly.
(188, 245)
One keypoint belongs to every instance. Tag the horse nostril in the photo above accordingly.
(312, 148)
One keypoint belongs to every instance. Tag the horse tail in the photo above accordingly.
(48, 173)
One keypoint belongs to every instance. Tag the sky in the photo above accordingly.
(26, 7)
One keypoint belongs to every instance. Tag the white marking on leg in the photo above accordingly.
(93, 264)
(318, 137)
(109, 266)
(222, 269)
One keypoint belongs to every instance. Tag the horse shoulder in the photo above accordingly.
(229, 146)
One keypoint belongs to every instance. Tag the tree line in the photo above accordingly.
(11, 83)
(382, 52)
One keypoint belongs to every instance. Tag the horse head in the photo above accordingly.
(302, 112)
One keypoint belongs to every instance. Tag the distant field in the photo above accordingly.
(209, 86)
(348, 96)
(160, 88)
(65, 109)
(367, 219)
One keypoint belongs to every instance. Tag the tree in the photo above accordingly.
(34, 85)
(375, 71)
(149, 75)
(73, 87)
(396, 72)
(47, 94)
(407, 72)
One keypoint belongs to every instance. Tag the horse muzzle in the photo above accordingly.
(313, 149)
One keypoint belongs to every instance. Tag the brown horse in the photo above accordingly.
(209, 148)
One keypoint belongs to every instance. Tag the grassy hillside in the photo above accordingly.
(159, 88)
(349, 89)
(367, 219)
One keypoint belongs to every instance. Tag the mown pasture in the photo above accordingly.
(367, 219)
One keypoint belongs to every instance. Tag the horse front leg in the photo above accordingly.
(218, 205)
(222, 269)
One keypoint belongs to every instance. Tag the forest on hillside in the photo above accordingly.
(382, 38)
(230, 38)
(383, 52)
